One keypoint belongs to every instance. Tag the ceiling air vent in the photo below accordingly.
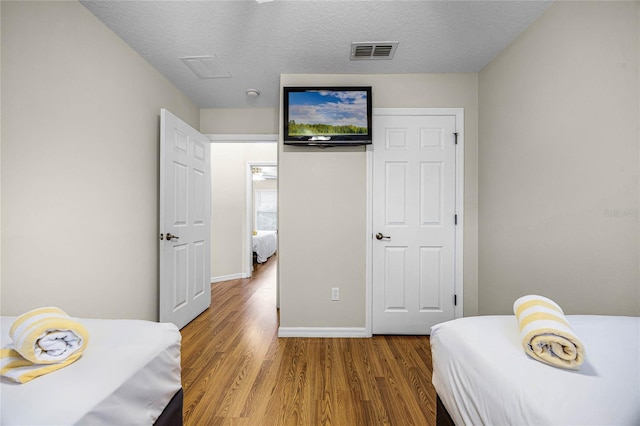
(373, 50)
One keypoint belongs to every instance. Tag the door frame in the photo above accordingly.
(459, 200)
(249, 217)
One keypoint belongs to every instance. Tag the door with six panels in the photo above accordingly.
(414, 222)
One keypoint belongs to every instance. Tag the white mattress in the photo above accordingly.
(265, 244)
(483, 376)
(128, 373)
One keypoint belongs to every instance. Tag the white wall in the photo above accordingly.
(559, 181)
(80, 132)
(322, 196)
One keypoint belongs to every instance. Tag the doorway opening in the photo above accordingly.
(262, 213)
(232, 158)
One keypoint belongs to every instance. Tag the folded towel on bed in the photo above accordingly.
(43, 340)
(545, 333)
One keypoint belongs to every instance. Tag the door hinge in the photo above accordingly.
(455, 300)
(456, 135)
(455, 219)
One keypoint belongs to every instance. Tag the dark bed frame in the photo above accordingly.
(172, 414)
(442, 415)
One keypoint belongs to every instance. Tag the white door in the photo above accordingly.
(185, 221)
(414, 208)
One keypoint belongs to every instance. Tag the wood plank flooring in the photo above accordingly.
(236, 371)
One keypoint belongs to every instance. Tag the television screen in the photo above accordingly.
(327, 116)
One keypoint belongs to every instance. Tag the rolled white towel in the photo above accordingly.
(43, 340)
(546, 334)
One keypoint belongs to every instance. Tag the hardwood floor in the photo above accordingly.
(236, 371)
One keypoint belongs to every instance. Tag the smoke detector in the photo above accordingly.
(373, 50)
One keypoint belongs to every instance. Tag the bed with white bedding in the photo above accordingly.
(128, 374)
(265, 244)
(483, 377)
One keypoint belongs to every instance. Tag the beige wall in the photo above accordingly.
(79, 164)
(558, 174)
(558, 178)
(0, 162)
(229, 233)
(239, 120)
(322, 204)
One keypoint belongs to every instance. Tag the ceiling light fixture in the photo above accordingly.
(257, 174)
(253, 93)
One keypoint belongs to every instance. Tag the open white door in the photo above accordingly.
(185, 221)
(414, 222)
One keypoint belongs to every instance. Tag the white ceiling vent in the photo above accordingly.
(373, 50)
(205, 66)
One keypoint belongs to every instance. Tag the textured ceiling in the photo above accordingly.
(255, 43)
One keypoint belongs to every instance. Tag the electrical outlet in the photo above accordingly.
(335, 293)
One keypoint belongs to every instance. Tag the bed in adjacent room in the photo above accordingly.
(482, 375)
(265, 244)
(129, 373)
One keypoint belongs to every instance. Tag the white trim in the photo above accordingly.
(249, 138)
(228, 277)
(419, 111)
(368, 244)
(356, 332)
(459, 259)
(248, 194)
(459, 255)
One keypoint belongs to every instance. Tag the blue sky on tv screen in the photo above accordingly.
(329, 107)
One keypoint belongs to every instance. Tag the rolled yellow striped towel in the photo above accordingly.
(43, 340)
(546, 334)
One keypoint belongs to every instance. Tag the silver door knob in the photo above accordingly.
(170, 237)
(379, 236)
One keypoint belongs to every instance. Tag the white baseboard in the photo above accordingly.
(228, 277)
(322, 332)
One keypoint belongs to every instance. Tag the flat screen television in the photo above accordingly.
(327, 116)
